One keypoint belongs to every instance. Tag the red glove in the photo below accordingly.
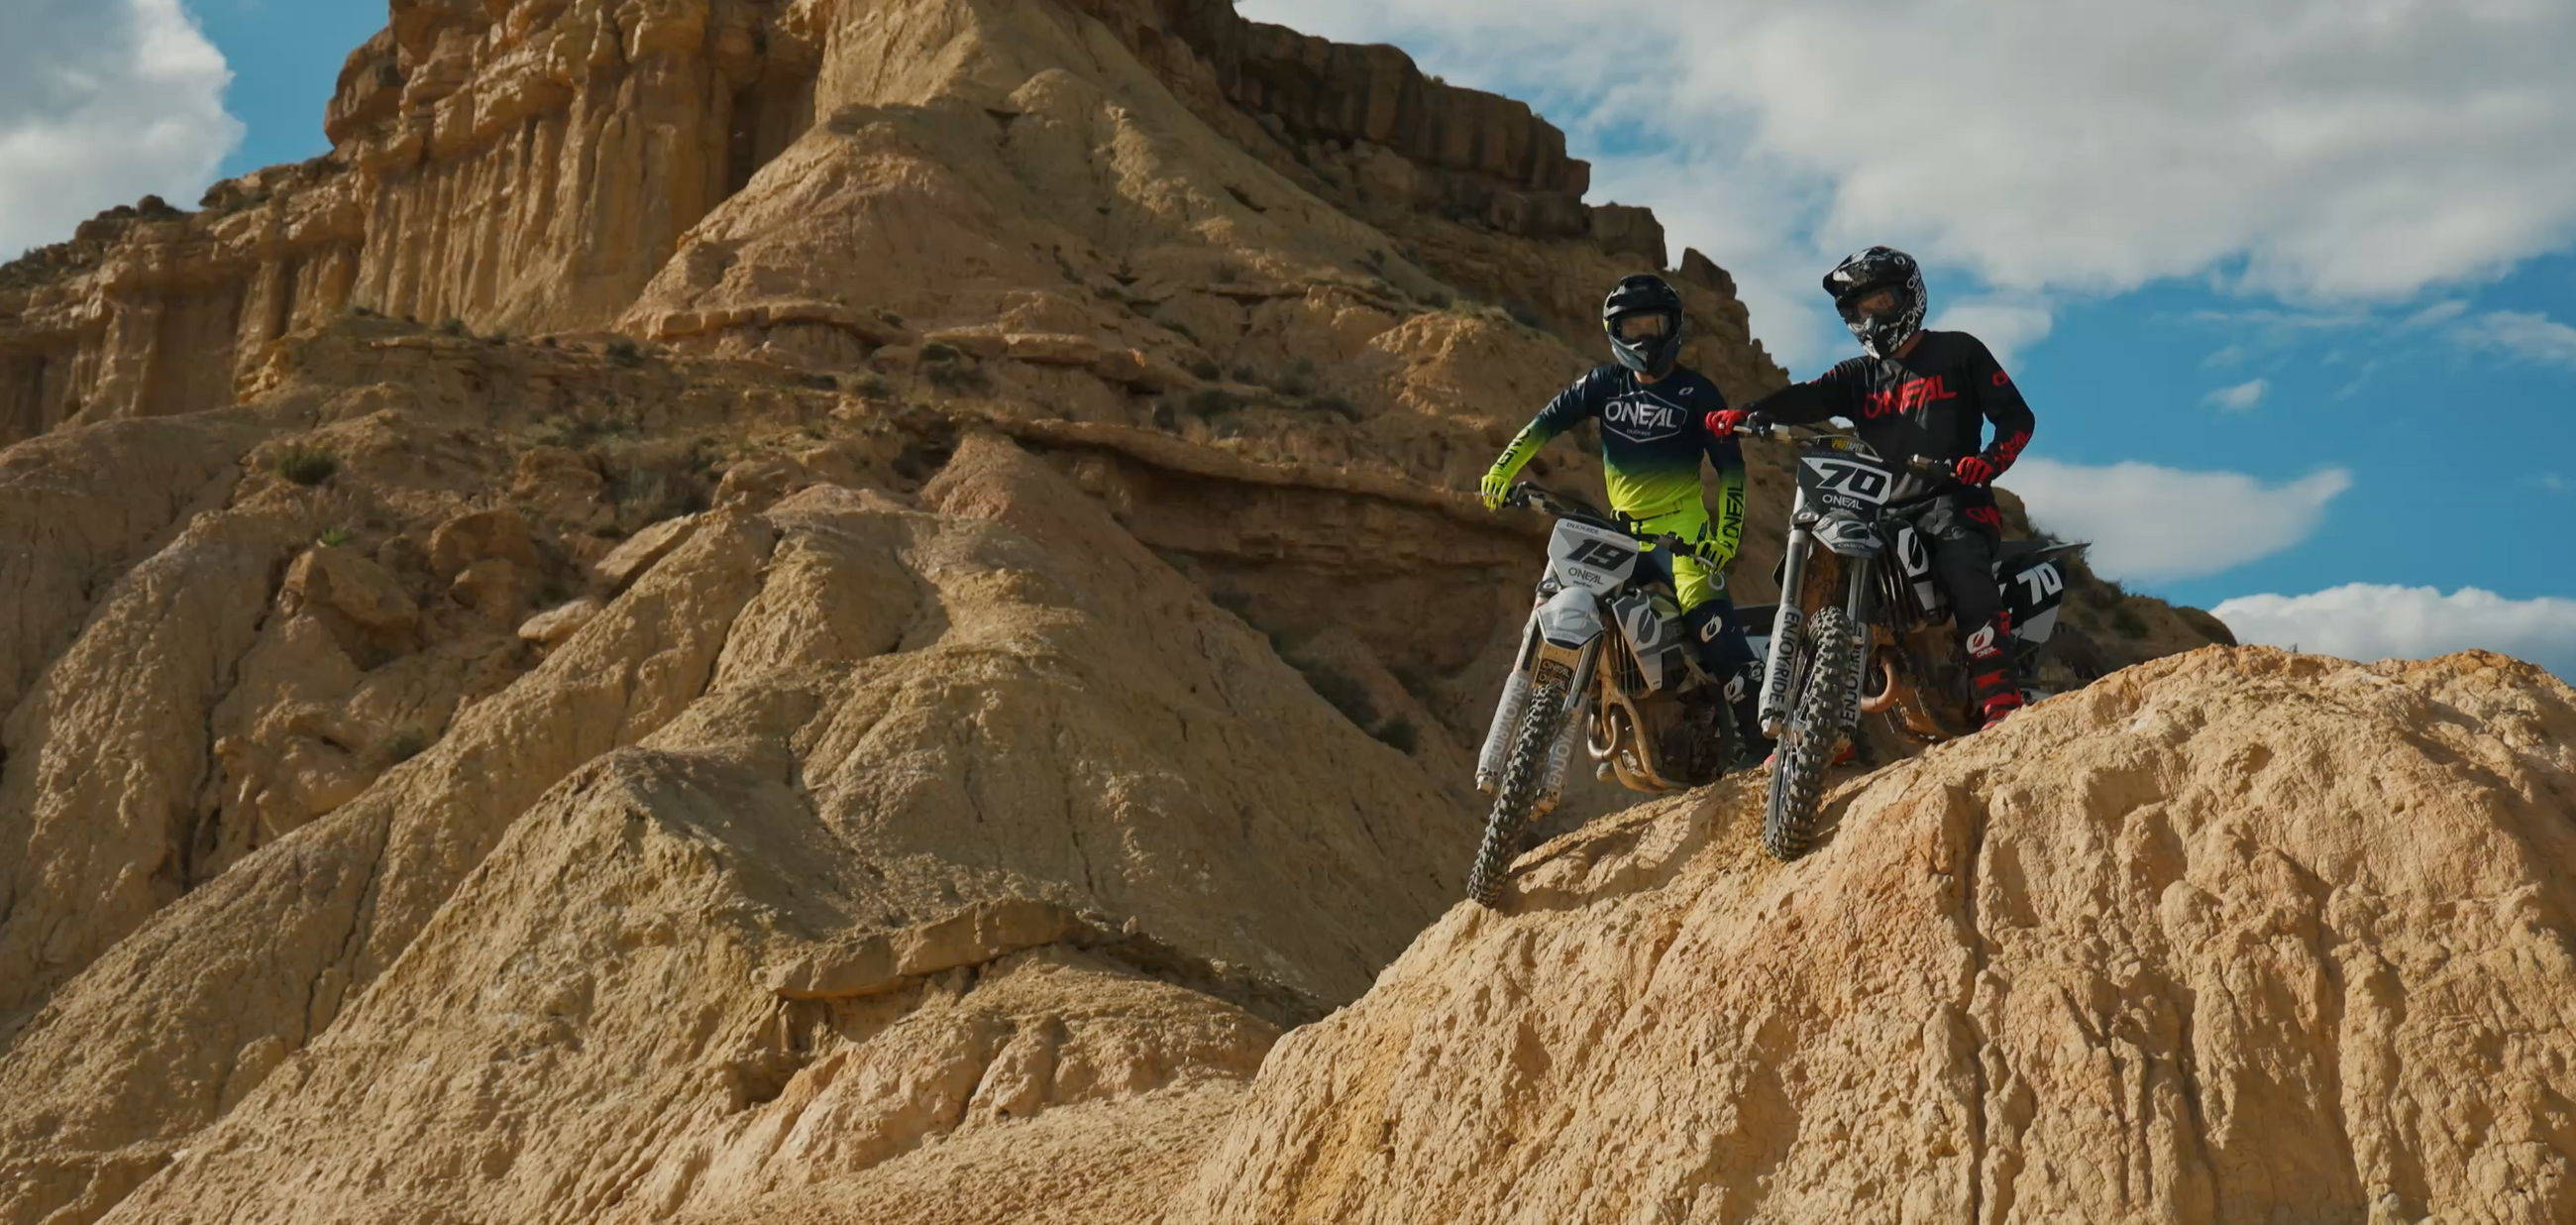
(1975, 470)
(1723, 422)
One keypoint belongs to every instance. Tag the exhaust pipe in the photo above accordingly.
(1886, 699)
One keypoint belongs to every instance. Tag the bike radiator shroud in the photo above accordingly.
(2032, 582)
(2034, 588)
(1916, 558)
(1651, 622)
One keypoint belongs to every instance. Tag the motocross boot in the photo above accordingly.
(1994, 675)
(1729, 660)
(1744, 695)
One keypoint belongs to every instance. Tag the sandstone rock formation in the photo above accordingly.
(2237, 935)
(740, 608)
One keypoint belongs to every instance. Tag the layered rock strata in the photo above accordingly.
(740, 608)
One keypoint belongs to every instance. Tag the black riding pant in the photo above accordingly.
(1719, 634)
(1963, 546)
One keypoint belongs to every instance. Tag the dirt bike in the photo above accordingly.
(1650, 715)
(1861, 628)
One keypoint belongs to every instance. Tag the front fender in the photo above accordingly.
(1847, 536)
(1570, 619)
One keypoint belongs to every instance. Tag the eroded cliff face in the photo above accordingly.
(759, 607)
(150, 312)
(854, 823)
(531, 166)
(512, 166)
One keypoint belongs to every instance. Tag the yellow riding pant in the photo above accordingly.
(1694, 582)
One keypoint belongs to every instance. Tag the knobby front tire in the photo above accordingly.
(1523, 774)
(1808, 740)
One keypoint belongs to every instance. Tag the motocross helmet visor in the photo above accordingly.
(1875, 302)
(1638, 329)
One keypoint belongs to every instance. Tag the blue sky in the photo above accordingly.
(2290, 284)
(2459, 457)
(286, 57)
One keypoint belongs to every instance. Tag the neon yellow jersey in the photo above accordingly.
(1652, 441)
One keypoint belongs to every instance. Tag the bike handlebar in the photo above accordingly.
(1771, 431)
(1706, 554)
(1755, 427)
(1527, 496)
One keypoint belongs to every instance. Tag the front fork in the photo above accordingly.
(1856, 601)
(1578, 696)
(1788, 630)
(1537, 653)
(1780, 673)
(1508, 712)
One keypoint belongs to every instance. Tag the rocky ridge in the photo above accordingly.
(2236, 935)
(740, 606)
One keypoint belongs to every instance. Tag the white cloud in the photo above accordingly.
(2314, 149)
(1736, 217)
(2271, 327)
(2519, 335)
(2537, 338)
(2439, 312)
(101, 103)
(2007, 323)
(2368, 621)
(2149, 522)
(2239, 398)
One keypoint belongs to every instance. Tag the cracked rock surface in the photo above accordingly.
(844, 724)
(2232, 936)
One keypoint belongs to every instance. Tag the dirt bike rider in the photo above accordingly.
(1653, 411)
(1916, 392)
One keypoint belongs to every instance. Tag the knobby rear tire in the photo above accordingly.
(1523, 774)
(1807, 742)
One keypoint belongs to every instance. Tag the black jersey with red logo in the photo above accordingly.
(1934, 401)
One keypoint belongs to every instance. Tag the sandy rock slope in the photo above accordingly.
(2233, 936)
(841, 610)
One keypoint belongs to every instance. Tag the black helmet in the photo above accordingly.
(1653, 351)
(1874, 269)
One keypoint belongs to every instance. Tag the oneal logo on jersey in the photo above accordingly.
(1914, 394)
(1643, 419)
